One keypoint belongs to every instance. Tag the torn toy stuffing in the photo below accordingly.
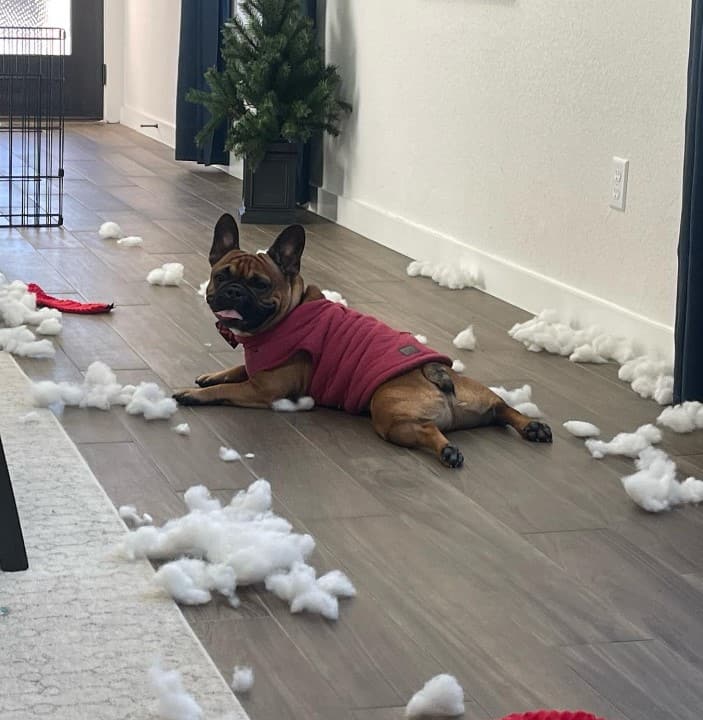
(242, 679)
(683, 418)
(167, 274)
(581, 429)
(454, 276)
(654, 487)
(458, 366)
(520, 399)
(181, 429)
(228, 454)
(421, 339)
(110, 231)
(174, 703)
(466, 340)
(257, 545)
(101, 390)
(130, 515)
(648, 377)
(130, 241)
(190, 581)
(629, 444)
(442, 696)
(302, 404)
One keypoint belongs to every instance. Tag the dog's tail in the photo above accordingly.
(438, 375)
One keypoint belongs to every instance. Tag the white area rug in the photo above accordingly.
(83, 626)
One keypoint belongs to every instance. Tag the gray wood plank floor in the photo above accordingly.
(528, 574)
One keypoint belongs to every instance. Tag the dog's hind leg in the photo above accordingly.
(530, 429)
(414, 434)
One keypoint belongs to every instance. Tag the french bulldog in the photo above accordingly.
(299, 344)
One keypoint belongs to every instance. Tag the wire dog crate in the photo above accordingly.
(31, 126)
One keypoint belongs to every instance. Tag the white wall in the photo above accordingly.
(150, 65)
(486, 128)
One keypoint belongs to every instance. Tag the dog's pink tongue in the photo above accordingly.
(228, 315)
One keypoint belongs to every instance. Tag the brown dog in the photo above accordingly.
(297, 344)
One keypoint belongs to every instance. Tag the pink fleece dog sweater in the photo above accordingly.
(352, 353)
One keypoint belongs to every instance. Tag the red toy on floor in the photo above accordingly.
(553, 715)
(65, 305)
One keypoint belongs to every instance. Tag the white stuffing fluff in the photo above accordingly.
(581, 429)
(150, 401)
(18, 308)
(648, 377)
(466, 340)
(242, 679)
(30, 417)
(245, 536)
(130, 241)
(453, 275)
(520, 399)
(288, 405)
(442, 696)
(335, 297)
(300, 588)
(629, 444)
(529, 409)
(50, 326)
(654, 487)
(422, 339)
(181, 429)
(229, 455)
(250, 456)
(174, 702)
(167, 274)
(683, 418)
(202, 288)
(190, 581)
(130, 515)
(110, 231)
(458, 366)
(101, 390)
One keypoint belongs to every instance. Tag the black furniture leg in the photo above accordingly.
(13, 556)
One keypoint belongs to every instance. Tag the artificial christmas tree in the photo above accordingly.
(273, 93)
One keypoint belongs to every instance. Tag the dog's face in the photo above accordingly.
(251, 293)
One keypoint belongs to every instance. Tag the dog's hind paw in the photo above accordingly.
(537, 432)
(451, 456)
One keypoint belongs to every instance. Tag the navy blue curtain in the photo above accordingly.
(688, 365)
(200, 48)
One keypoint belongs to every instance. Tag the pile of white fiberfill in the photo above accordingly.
(453, 275)
(629, 444)
(655, 487)
(520, 399)
(648, 377)
(101, 390)
(167, 274)
(465, 340)
(683, 418)
(174, 702)
(18, 308)
(216, 548)
(442, 696)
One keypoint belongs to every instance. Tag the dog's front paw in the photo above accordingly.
(205, 380)
(537, 432)
(187, 397)
(451, 457)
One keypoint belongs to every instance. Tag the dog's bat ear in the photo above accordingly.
(225, 238)
(288, 248)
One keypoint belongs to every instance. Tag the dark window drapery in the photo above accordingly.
(688, 365)
(199, 49)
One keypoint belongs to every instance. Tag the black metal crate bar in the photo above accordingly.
(31, 126)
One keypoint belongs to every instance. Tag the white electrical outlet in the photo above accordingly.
(618, 183)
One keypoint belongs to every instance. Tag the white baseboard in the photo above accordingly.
(499, 277)
(235, 167)
(133, 118)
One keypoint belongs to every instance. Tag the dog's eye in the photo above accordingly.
(259, 283)
(220, 277)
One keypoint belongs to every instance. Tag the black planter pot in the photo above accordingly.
(269, 191)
